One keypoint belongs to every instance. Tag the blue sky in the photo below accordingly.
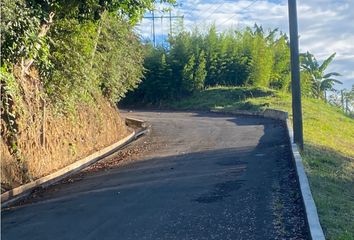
(325, 26)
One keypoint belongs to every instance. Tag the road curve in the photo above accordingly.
(206, 176)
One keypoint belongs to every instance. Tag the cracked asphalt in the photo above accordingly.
(198, 176)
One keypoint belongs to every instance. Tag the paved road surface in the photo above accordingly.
(205, 176)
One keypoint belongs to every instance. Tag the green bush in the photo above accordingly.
(119, 59)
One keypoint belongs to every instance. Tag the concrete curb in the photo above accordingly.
(309, 204)
(135, 122)
(21, 192)
(268, 113)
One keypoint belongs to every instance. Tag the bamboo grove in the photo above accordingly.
(196, 60)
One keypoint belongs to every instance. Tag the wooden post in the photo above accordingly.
(44, 118)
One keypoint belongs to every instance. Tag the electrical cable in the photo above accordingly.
(240, 11)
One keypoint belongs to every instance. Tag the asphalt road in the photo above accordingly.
(203, 176)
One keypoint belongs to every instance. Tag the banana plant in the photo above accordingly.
(321, 81)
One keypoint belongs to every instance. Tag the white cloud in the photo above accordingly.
(325, 26)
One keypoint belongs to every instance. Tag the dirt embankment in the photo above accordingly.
(46, 141)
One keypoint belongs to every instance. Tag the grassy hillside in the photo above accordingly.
(328, 153)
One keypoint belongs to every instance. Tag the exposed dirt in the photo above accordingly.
(47, 142)
(130, 153)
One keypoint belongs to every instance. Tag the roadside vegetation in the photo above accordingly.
(64, 65)
(250, 70)
(251, 57)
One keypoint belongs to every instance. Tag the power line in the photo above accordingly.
(240, 11)
(153, 17)
(212, 6)
(217, 8)
(198, 14)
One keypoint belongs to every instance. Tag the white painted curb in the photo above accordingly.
(310, 206)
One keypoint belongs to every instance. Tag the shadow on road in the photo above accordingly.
(227, 193)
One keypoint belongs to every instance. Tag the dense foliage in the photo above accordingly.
(196, 60)
(250, 57)
(85, 63)
(80, 48)
(59, 55)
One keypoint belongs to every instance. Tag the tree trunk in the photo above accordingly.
(99, 29)
(26, 64)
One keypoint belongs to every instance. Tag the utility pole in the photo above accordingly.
(153, 28)
(170, 23)
(162, 25)
(153, 17)
(295, 75)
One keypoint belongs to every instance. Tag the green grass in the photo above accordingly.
(328, 152)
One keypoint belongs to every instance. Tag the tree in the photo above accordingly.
(212, 49)
(321, 81)
(194, 73)
(200, 72)
(26, 23)
(280, 78)
(188, 74)
(347, 100)
(262, 59)
(343, 99)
